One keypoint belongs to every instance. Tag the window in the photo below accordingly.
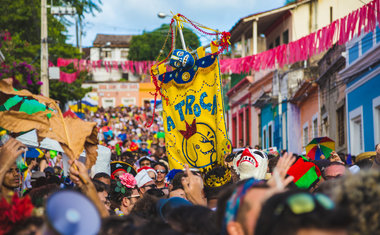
(331, 15)
(356, 131)
(241, 126)
(277, 41)
(325, 125)
(125, 76)
(234, 131)
(340, 124)
(315, 127)
(305, 135)
(106, 54)
(270, 135)
(108, 102)
(124, 54)
(271, 46)
(265, 138)
(377, 124)
(247, 127)
(128, 101)
(285, 37)
(376, 119)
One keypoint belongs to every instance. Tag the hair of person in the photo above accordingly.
(359, 193)
(24, 224)
(53, 180)
(101, 175)
(193, 220)
(118, 225)
(156, 192)
(38, 195)
(364, 164)
(145, 207)
(161, 164)
(29, 160)
(117, 197)
(272, 162)
(271, 222)
(100, 186)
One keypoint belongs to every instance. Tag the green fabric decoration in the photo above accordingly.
(32, 106)
(12, 102)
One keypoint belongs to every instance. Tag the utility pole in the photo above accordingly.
(44, 50)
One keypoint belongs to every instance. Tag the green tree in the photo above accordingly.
(21, 19)
(148, 45)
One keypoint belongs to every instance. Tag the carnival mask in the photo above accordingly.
(181, 59)
(251, 163)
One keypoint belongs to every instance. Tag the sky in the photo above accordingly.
(132, 17)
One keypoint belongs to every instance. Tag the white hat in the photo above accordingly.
(142, 178)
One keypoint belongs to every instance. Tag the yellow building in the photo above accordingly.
(146, 90)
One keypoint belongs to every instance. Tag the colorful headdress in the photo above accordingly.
(217, 177)
(117, 166)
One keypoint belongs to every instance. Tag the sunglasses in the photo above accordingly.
(302, 203)
(161, 171)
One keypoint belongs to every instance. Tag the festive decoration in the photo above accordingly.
(320, 146)
(191, 93)
(34, 153)
(22, 111)
(217, 177)
(11, 213)
(306, 174)
(362, 20)
(117, 166)
(251, 163)
(128, 180)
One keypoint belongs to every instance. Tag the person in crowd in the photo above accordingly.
(216, 180)
(121, 194)
(144, 182)
(145, 161)
(359, 195)
(151, 172)
(376, 160)
(102, 190)
(334, 170)
(300, 213)
(103, 177)
(193, 220)
(161, 170)
(31, 163)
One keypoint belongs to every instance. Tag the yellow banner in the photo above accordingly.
(193, 114)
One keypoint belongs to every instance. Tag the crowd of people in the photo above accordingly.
(142, 195)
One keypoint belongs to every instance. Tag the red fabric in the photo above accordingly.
(298, 169)
(115, 65)
(67, 77)
(17, 210)
(362, 19)
(69, 113)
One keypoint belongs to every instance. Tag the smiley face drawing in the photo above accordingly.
(199, 145)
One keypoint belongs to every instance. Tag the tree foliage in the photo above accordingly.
(148, 45)
(22, 20)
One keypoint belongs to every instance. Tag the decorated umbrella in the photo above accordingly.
(22, 111)
(320, 146)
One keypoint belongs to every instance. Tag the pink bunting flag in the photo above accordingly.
(67, 77)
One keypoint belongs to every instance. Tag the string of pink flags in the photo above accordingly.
(362, 20)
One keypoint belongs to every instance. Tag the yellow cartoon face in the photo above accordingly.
(200, 149)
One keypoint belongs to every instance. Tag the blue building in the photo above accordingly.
(362, 79)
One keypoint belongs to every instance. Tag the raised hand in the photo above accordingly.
(280, 179)
(193, 187)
